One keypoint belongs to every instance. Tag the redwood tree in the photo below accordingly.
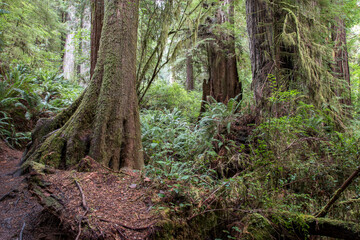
(223, 82)
(104, 122)
(290, 49)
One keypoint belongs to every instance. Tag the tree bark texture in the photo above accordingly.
(259, 26)
(69, 48)
(288, 51)
(105, 125)
(341, 66)
(223, 82)
(97, 16)
(189, 72)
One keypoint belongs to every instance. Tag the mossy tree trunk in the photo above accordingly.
(259, 26)
(290, 50)
(104, 122)
(97, 17)
(223, 82)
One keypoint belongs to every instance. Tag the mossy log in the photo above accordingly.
(286, 225)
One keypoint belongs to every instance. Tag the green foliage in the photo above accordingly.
(219, 116)
(25, 96)
(162, 95)
(25, 37)
(8, 132)
(169, 135)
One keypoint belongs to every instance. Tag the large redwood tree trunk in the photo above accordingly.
(223, 82)
(104, 122)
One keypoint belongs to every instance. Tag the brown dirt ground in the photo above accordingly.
(21, 216)
(119, 205)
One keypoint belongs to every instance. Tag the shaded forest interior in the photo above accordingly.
(180, 119)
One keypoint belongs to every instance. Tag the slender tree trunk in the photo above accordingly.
(69, 55)
(223, 82)
(104, 123)
(80, 43)
(341, 66)
(97, 16)
(189, 73)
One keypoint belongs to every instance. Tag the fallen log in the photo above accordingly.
(280, 225)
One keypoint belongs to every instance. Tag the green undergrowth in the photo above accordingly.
(293, 161)
(162, 95)
(27, 95)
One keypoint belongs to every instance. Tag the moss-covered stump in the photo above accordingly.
(97, 203)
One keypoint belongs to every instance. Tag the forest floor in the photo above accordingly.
(93, 204)
(21, 216)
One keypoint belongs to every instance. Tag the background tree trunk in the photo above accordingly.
(223, 82)
(189, 72)
(97, 16)
(259, 26)
(69, 49)
(341, 66)
(105, 125)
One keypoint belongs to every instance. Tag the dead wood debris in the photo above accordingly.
(82, 196)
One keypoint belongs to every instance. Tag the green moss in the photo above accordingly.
(259, 227)
(49, 202)
(200, 227)
(51, 151)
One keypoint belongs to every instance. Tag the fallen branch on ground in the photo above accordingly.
(82, 196)
(22, 231)
(338, 193)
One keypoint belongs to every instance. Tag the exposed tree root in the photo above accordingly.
(43, 129)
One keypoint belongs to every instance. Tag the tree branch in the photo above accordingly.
(337, 194)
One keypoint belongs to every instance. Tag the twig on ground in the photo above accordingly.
(22, 231)
(78, 236)
(122, 235)
(82, 196)
(80, 221)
